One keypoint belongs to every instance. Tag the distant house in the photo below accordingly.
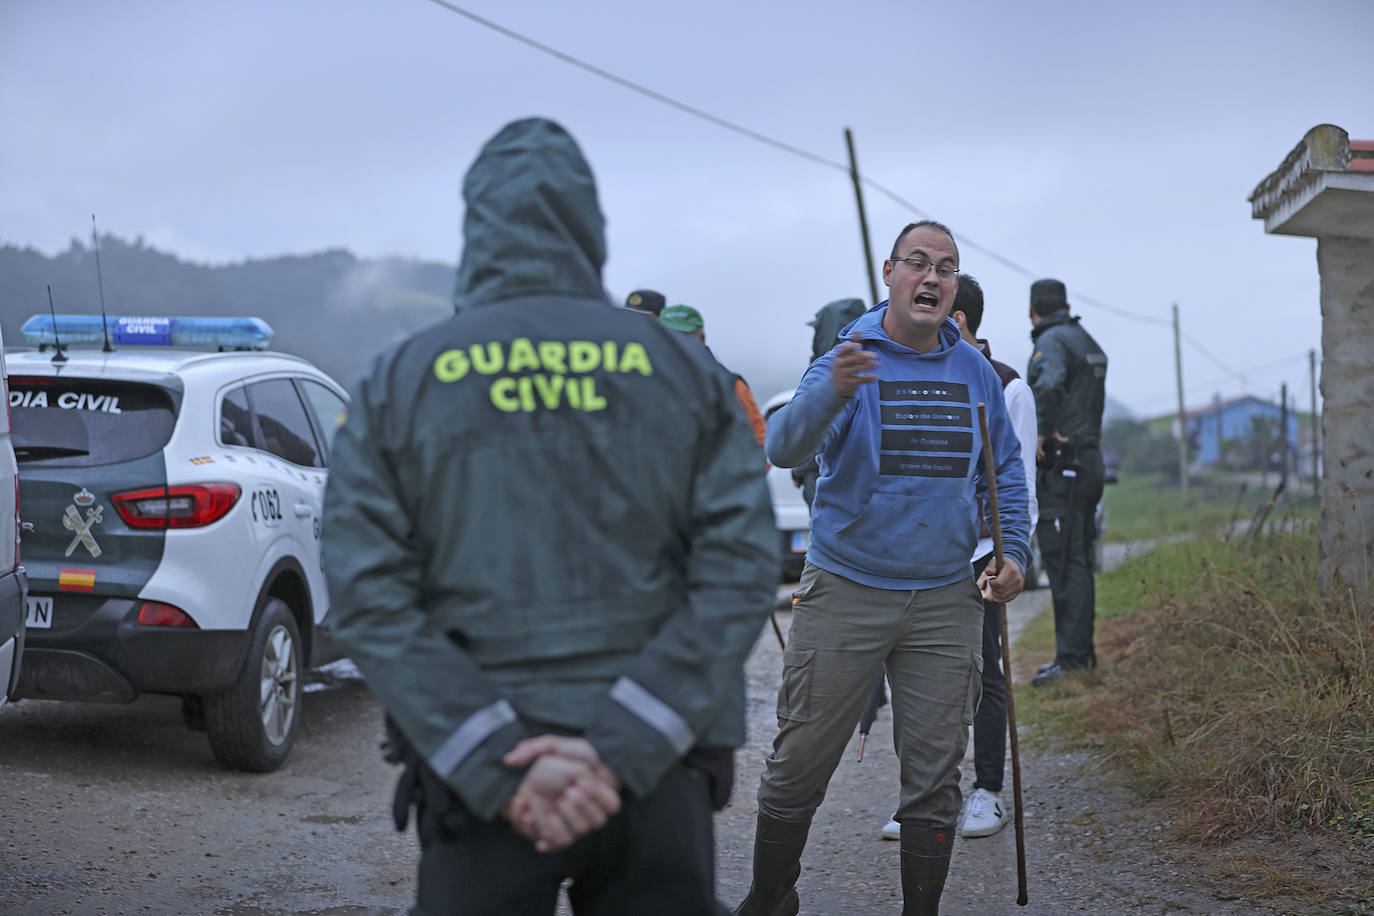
(1215, 432)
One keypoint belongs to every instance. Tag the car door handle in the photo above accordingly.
(304, 510)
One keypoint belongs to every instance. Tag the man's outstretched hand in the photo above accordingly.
(567, 793)
(853, 366)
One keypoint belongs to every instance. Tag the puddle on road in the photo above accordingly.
(332, 676)
(250, 910)
(334, 819)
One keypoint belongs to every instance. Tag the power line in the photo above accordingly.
(773, 142)
(1197, 386)
(642, 90)
(1009, 263)
(1218, 363)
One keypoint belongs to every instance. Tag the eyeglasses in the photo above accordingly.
(919, 266)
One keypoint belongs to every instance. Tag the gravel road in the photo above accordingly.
(120, 810)
(1091, 846)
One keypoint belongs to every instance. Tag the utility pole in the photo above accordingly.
(863, 219)
(1221, 432)
(1182, 418)
(1316, 422)
(1283, 437)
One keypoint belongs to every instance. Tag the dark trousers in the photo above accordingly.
(1066, 549)
(990, 721)
(655, 856)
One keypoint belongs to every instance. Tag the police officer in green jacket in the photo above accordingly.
(1068, 373)
(549, 550)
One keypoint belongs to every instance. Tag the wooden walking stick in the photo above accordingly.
(990, 472)
(777, 630)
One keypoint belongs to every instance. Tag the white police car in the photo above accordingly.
(791, 514)
(170, 496)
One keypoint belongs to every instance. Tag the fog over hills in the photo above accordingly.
(330, 307)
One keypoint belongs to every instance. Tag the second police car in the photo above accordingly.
(13, 585)
(171, 491)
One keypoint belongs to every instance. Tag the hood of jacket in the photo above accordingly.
(533, 225)
(830, 320)
(869, 327)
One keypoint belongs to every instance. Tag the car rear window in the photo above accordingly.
(74, 422)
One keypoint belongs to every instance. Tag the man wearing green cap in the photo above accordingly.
(687, 320)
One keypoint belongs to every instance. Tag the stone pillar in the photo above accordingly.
(1347, 387)
(1324, 189)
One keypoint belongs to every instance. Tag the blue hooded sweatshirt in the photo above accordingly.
(901, 461)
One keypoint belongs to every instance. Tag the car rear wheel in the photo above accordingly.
(252, 725)
(193, 712)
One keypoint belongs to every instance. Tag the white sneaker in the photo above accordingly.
(984, 815)
(892, 830)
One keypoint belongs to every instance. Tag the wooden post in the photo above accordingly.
(1283, 437)
(1182, 418)
(863, 219)
(1316, 423)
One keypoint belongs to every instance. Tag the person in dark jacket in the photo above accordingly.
(1068, 373)
(686, 320)
(888, 580)
(647, 301)
(830, 320)
(549, 550)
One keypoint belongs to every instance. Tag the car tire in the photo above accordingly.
(252, 725)
(193, 712)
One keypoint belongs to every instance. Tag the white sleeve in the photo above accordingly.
(1021, 408)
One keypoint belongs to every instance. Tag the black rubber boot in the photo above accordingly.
(778, 848)
(925, 863)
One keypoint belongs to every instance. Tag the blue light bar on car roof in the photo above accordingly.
(150, 331)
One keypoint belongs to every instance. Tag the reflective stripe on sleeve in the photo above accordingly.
(475, 729)
(657, 714)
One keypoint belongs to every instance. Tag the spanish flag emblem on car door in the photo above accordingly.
(76, 580)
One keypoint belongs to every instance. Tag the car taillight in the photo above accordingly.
(185, 506)
(157, 614)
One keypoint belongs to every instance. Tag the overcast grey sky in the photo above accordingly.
(1109, 144)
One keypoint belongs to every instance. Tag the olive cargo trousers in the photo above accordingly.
(842, 635)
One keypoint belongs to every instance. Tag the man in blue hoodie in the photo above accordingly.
(892, 412)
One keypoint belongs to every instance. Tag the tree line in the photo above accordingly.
(330, 307)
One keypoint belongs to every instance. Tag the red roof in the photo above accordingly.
(1361, 156)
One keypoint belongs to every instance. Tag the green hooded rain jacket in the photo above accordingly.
(547, 510)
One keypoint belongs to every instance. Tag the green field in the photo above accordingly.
(1143, 507)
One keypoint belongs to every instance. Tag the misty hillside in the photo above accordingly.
(332, 308)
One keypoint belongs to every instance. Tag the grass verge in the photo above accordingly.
(1143, 506)
(1233, 691)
